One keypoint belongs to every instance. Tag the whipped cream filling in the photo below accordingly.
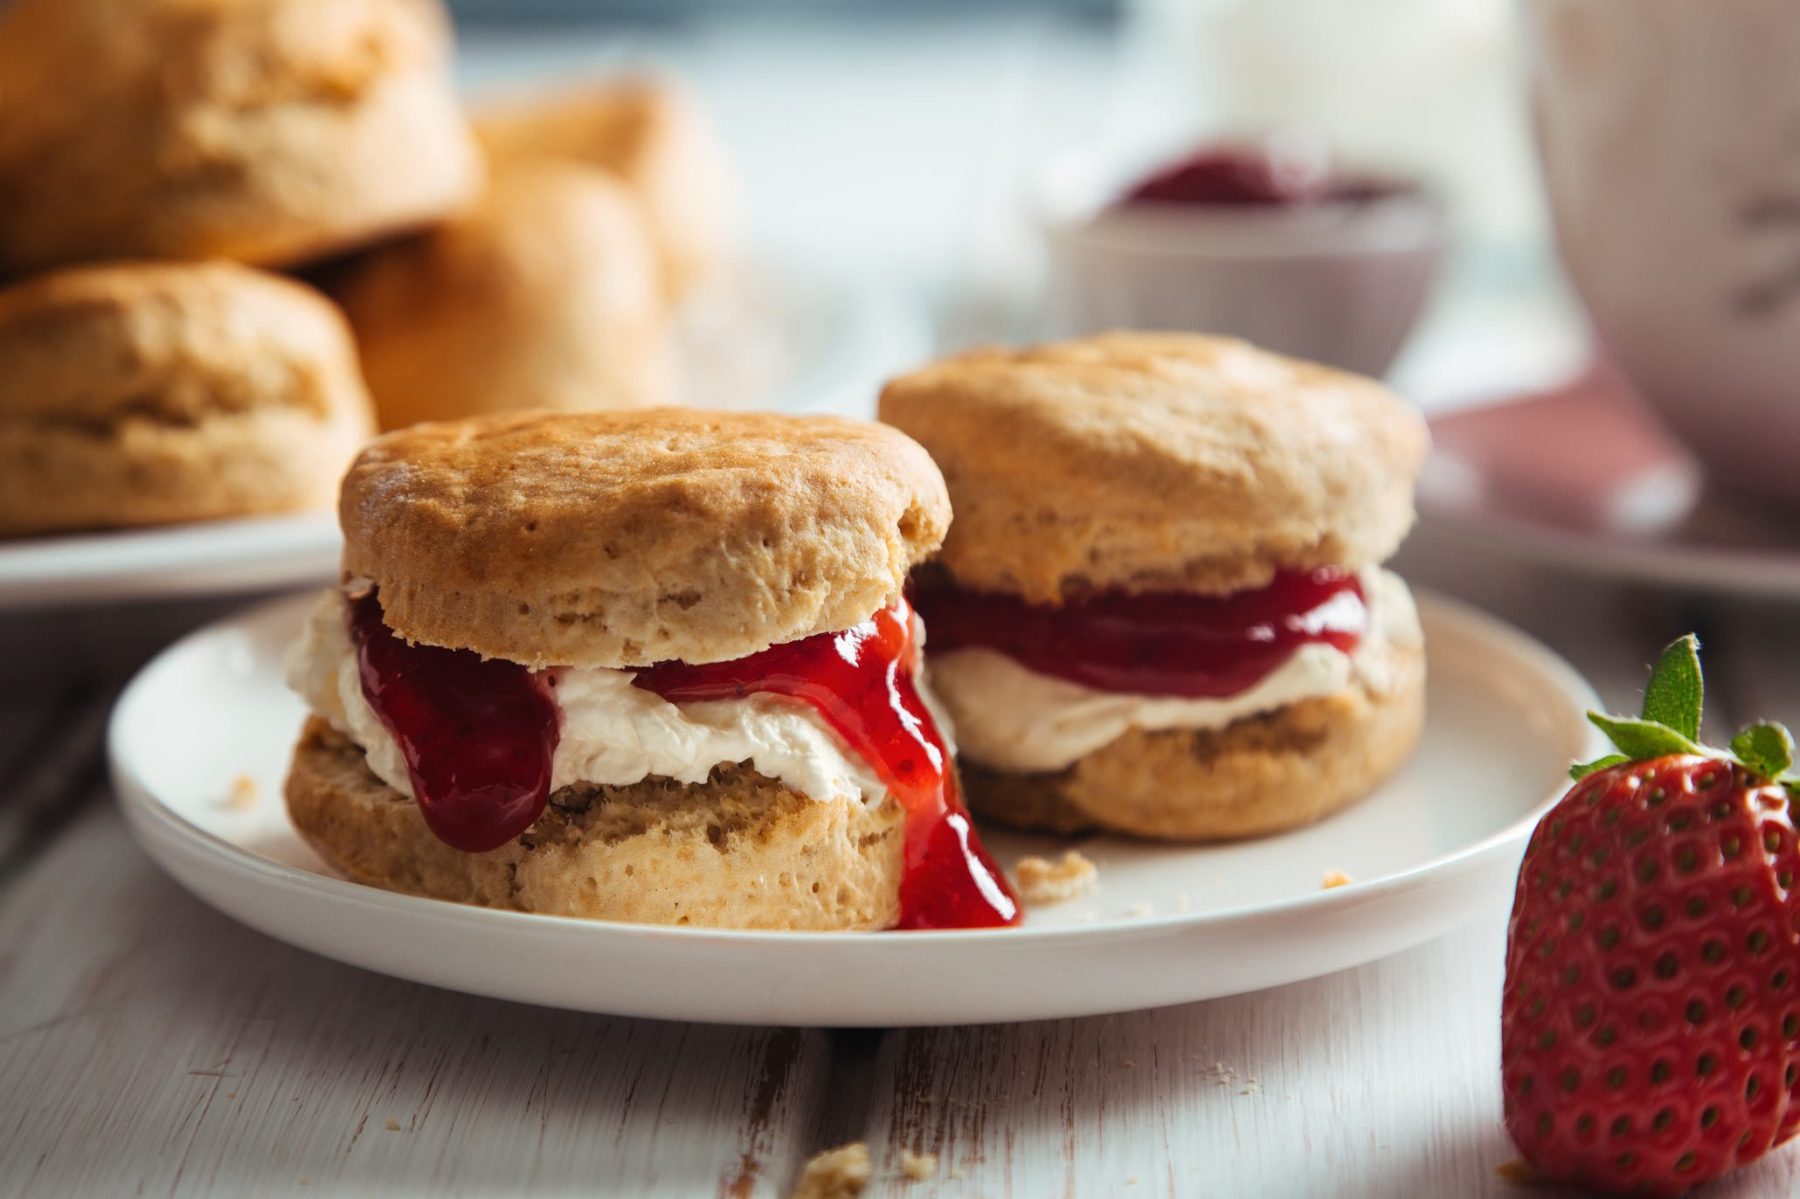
(612, 732)
(1012, 718)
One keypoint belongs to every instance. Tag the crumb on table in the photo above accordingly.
(1042, 881)
(1520, 1173)
(1336, 878)
(393, 1125)
(839, 1173)
(918, 1167)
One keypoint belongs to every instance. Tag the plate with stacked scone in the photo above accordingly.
(1077, 686)
(237, 239)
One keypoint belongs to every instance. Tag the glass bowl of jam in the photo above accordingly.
(1268, 241)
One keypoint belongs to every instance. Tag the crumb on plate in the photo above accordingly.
(1336, 878)
(839, 1173)
(242, 793)
(1042, 881)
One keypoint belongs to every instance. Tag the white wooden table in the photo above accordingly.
(151, 1046)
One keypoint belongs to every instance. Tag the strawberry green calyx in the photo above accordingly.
(1670, 724)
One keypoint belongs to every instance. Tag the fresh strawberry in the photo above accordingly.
(1650, 1025)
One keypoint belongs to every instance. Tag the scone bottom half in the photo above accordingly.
(1160, 612)
(802, 785)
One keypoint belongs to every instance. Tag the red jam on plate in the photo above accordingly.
(1235, 176)
(1166, 643)
(479, 735)
(861, 682)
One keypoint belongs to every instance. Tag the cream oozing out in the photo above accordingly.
(612, 732)
(1013, 718)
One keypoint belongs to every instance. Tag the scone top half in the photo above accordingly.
(1161, 609)
(1153, 462)
(625, 539)
(649, 665)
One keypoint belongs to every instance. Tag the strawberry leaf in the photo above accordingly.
(1581, 770)
(1766, 749)
(1675, 691)
(1641, 740)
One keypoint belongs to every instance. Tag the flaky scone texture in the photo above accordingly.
(1263, 774)
(545, 295)
(270, 132)
(738, 851)
(1155, 461)
(652, 136)
(627, 538)
(150, 393)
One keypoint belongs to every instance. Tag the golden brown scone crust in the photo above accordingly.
(1153, 461)
(148, 393)
(738, 851)
(545, 295)
(269, 132)
(651, 135)
(627, 538)
(1263, 774)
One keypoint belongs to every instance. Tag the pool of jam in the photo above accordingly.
(479, 737)
(861, 682)
(1164, 643)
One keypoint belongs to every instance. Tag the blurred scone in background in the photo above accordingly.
(322, 138)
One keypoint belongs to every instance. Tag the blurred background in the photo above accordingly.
(902, 145)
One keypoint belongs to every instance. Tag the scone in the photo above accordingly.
(545, 295)
(652, 136)
(269, 132)
(1161, 610)
(649, 666)
(141, 394)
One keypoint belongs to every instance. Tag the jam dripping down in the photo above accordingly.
(861, 682)
(1165, 643)
(479, 734)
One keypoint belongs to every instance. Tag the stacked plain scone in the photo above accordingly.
(545, 295)
(654, 139)
(1161, 610)
(649, 666)
(606, 207)
(159, 393)
(271, 133)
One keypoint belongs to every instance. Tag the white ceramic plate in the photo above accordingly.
(1433, 847)
(216, 558)
(1579, 476)
(764, 337)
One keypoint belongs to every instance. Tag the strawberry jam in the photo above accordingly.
(1166, 643)
(861, 682)
(479, 735)
(1228, 176)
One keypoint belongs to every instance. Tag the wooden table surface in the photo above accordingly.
(151, 1046)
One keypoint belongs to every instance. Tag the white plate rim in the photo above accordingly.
(237, 553)
(150, 816)
(1715, 569)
